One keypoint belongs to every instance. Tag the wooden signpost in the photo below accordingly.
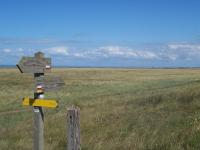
(38, 65)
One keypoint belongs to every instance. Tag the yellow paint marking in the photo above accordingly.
(40, 102)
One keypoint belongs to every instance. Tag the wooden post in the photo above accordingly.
(38, 65)
(73, 138)
(38, 122)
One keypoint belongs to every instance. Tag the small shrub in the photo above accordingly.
(185, 97)
(151, 100)
(154, 100)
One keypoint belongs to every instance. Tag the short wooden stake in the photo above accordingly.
(73, 138)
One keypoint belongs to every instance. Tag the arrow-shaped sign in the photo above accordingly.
(49, 83)
(37, 64)
(40, 102)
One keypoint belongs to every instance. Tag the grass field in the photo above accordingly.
(121, 109)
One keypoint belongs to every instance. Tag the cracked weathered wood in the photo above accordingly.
(50, 83)
(38, 122)
(36, 64)
(73, 138)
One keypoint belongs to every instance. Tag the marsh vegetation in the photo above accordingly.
(121, 109)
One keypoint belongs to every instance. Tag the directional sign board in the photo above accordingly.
(37, 64)
(50, 82)
(40, 102)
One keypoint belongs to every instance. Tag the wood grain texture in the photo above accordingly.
(38, 122)
(34, 65)
(50, 83)
(73, 138)
(38, 129)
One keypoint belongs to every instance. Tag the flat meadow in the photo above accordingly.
(120, 109)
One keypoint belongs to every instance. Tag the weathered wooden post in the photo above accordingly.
(38, 111)
(38, 129)
(38, 65)
(38, 119)
(73, 138)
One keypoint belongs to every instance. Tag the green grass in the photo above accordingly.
(121, 109)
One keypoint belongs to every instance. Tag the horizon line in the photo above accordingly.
(122, 67)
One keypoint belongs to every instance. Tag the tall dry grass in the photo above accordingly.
(121, 109)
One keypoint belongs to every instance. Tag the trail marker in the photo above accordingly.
(40, 102)
(50, 83)
(38, 65)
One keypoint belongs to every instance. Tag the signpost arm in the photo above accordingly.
(38, 122)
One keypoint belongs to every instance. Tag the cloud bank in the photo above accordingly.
(171, 52)
(176, 54)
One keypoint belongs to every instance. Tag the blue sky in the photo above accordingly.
(123, 33)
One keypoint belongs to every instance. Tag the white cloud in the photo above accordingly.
(106, 52)
(116, 51)
(112, 51)
(20, 49)
(80, 55)
(184, 46)
(7, 50)
(147, 55)
(186, 51)
(168, 56)
(165, 52)
(60, 50)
